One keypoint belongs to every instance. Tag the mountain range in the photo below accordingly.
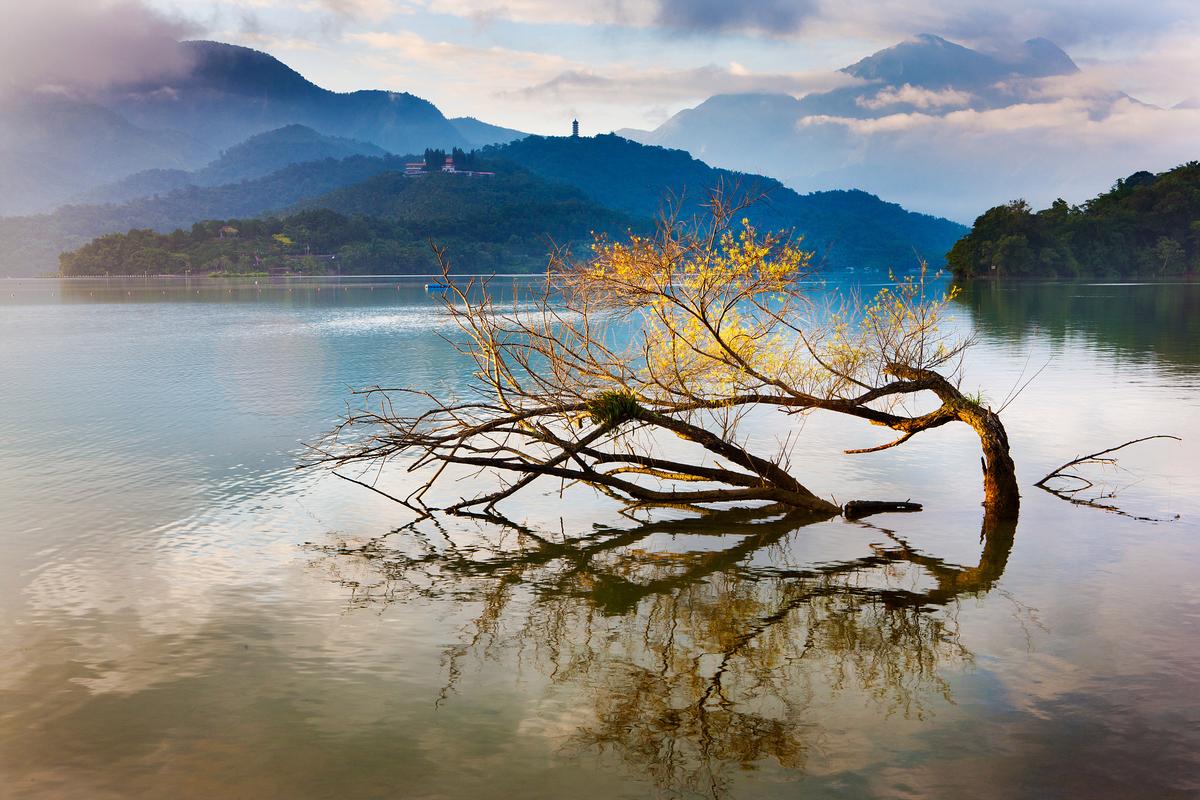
(259, 155)
(934, 125)
(614, 175)
(930, 123)
(57, 146)
(240, 135)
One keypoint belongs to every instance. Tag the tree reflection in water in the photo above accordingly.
(694, 664)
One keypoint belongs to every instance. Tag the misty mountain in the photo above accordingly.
(500, 222)
(51, 144)
(481, 134)
(30, 245)
(933, 62)
(848, 228)
(234, 92)
(931, 123)
(259, 155)
(927, 73)
(55, 147)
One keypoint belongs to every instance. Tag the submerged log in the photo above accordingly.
(857, 509)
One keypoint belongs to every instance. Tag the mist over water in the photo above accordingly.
(185, 614)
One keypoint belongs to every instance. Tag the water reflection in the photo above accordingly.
(1158, 320)
(695, 647)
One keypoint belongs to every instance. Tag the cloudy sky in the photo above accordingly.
(533, 64)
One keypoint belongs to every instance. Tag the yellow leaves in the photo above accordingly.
(689, 270)
(720, 313)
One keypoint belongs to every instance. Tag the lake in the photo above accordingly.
(183, 614)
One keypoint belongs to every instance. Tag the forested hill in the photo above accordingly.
(1147, 225)
(505, 222)
(32, 244)
(847, 228)
(510, 204)
(258, 156)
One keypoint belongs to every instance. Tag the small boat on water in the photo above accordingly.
(438, 287)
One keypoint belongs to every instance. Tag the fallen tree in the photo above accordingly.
(679, 335)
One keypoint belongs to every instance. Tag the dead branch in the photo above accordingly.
(1096, 458)
(1071, 495)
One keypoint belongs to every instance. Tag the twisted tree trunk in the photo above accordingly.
(1001, 497)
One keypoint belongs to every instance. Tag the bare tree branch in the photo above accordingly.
(1095, 458)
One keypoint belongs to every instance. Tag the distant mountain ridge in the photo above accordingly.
(926, 64)
(59, 146)
(234, 92)
(30, 245)
(949, 75)
(923, 122)
(481, 134)
(256, 157)
(51, 146)
(384, 224)
(933, 62)
(847, 228)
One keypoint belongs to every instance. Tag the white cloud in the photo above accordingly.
(87, 44)
(1163, 72)
(449, 74)
(977, 21)
(619, 83)
(404, 52)
(372, 10)
(915, 96)
(575, 12)
(523, 84)
(968, 160)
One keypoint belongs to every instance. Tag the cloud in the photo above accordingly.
(619, 83)
(967, 160)
(460, 78)
(466, 60)
(542, 77)
(343, 12)
(984, 22)
(87, 44)
(974, 21)
(572, 12)
(368, 9)
(1164, 74)
(769, 17)
(915, 96)
(1009, 119)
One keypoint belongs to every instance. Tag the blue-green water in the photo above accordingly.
(183, 614)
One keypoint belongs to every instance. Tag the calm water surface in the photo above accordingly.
(185, 615)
